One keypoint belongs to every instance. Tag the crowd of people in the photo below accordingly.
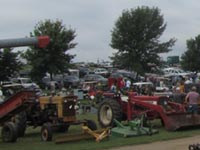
(188, 87)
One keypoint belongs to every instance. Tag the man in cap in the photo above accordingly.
(192, 99)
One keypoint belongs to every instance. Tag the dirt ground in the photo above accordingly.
(177, 144)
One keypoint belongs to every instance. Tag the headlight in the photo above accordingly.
(92, 97)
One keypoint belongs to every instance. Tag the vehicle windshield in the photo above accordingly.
(72, 77)
(26, 80)
(99, 77)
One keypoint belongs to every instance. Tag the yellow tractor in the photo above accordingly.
(58, 113)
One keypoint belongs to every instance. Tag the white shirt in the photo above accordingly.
(128, 83)
(1, 96)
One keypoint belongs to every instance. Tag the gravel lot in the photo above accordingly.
(178, 144)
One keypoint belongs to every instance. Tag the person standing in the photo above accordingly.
(113, 87)
(1, 95)
(128, 84)
(192, 99)
(121, 84)
(182, 87)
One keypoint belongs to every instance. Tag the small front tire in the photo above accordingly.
(46, 132)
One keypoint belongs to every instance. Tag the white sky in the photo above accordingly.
(93, 21)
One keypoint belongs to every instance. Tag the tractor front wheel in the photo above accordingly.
(46, 132)
(109, 110)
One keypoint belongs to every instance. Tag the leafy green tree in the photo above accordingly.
(9, 63)
(136, 38)
(190, 59)
(55, 57)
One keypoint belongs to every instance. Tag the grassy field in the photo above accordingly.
(31, 140)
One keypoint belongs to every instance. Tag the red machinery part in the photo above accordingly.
(43, 41)
(14, 104)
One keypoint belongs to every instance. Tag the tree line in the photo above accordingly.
(135, 38)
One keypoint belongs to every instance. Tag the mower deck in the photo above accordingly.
(134, 128)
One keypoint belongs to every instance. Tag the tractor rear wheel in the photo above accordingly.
(46, 132)
(20, 122)
(9, 132)
(109, 110)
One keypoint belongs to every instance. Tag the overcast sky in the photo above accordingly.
(93, 21)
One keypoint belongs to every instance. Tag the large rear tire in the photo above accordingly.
(9, 132)
(20, 122)
(109, 110)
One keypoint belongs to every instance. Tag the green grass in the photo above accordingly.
(32, 141)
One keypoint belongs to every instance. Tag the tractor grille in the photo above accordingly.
(69, 109)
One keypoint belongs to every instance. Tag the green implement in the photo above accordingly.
(134, 128)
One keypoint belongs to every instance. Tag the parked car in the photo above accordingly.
(144, 88)
(168, 72)
(46, 83)
(125, 73)
(101, 71)
(10, 89)
(83, 71)
(25, 82)
(116, 75)
(96, 77)
(71, 81)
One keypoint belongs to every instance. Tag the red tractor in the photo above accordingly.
(172, 115)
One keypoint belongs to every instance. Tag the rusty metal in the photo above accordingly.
(177, 121)
(98, 134)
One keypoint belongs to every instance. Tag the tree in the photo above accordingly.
(136, 38)
(54, 58)
(190, 59)
(9, 63)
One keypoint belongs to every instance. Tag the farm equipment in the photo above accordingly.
(59, 113)
(172, 115)
(9, 109)
(134, 128)
(40, 41)
(52, 113)
(98, 135)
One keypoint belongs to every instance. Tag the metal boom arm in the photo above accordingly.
(40, 41)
